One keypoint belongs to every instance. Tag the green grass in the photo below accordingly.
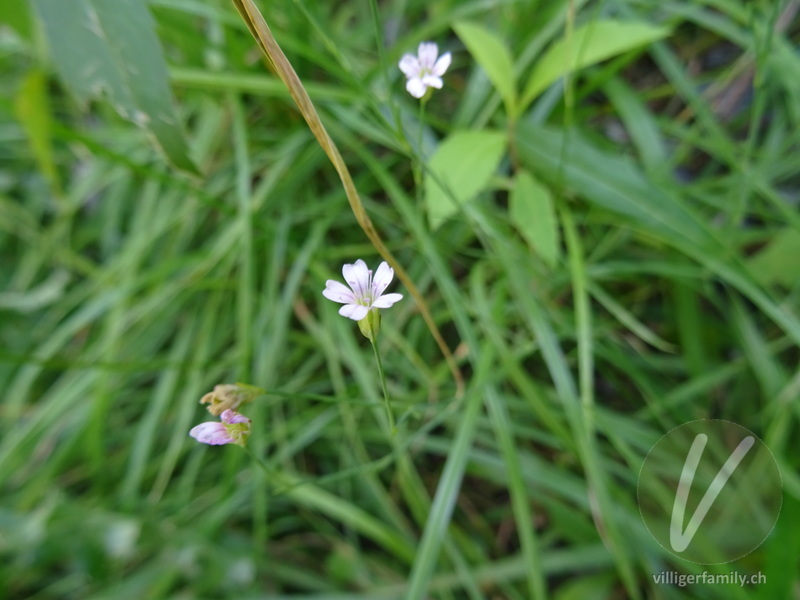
(129, 288)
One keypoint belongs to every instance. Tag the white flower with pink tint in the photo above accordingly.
(233, 429)
(424, 70)
(365, 292)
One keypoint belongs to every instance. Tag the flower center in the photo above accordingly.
(365, 295)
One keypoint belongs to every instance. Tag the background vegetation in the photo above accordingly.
(628, 264)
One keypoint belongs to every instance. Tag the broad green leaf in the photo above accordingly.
(459, 170)
(532, 213)
(493, 56)
(101, 47)
(588, 45)
(775, 264)
(16, 14)
(32, 109)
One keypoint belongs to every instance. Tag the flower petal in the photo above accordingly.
(338, 292)
(415, 87)
(354, 311)
(387, 300)
(357, 277)
(231, 416)
(382, 278)
(409, 65)
(427, 52)
(442, 64)
(432, 81)
(212, 433)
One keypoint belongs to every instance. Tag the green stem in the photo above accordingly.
(421, 120)
(272, 474)
(418, 155)
(383, 385)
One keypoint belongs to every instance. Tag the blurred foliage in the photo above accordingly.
(622, 263)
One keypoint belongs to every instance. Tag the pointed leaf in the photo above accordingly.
(32, 109)
(463, 164)
(493, 56)
(17, 16)
(588, 45)
(111, 48)
(532, 213)
(772, 263)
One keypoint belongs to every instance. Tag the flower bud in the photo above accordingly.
(229, 396)
(371, 324)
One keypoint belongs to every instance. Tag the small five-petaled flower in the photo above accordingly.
(233, 429)
(365, 292)
(424, 70)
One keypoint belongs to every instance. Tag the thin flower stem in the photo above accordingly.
(273, 475)
(385, 390)
(418, 156)
(281, 482)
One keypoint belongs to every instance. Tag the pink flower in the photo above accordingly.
(365, 292)
(424, 70)
(234, 429)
